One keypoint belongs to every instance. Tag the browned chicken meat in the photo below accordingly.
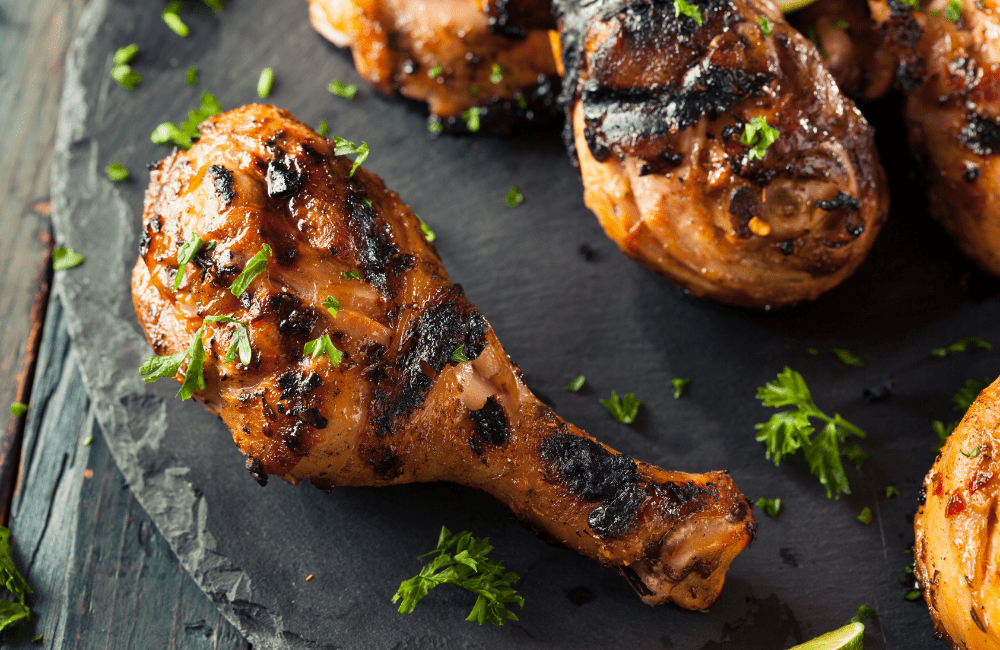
(409, 382)
(957, 549)
(671, 117)
(469, 60)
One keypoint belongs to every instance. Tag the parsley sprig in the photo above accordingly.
(122, 72)
(182, 135)
(65, 257)
(968, 393)
(340, 89)
(11, 613)
(469, 568)
(961, 345)
(323, 345)
(789, 431)
(688, 9)
(254, 267)
(625, 409)
(344, 147)
(186, 253)
(758, 136)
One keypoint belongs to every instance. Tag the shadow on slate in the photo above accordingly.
(559, 315)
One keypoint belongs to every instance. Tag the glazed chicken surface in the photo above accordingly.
(402, 405)
(455, 55)
(957, 548)
(658, 107)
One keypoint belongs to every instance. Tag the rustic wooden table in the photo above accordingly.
(102, 574)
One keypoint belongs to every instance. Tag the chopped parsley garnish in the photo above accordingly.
(17, 409)
(265, 83)
(770, 506)
(471, 118)
(496, 73)
(953, 11)
(435, 71)
(972, 454)
(457, 355)
(522, 102)
(323, 129)
(38, 638)
(174, 21)
(911, 3)
(680, 385)
(254, 267)
(765, 25)
(181, 135)
(340, 89)
(186, 253)
(323, 345)
(841, 23)
(215, 5)
(688, 9)
(912, 595)
(191, 76)
(350, 275)
(961, 345)
(856, 455)
(344, 147)
(332, 305)
(968, 393)
(64, 258)
(116, 172)
(434, 125)
(866, 516)
(864, 611)
(514, 197)
(819, 46)
(625, 409)
(469, 568)
(154, 368)
(240, 345)
(943, 431)
(789, 431)
(11, 613)
(428, 233)
(575, 385)
(848, 358)
(125, 55)
(88, 441)
(126, 77)
(758, 136)
(812, 351)
(891, 491)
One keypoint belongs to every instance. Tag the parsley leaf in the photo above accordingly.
(912, 595)
(973, 454)
(522, 101)
(770, 506)
(344, 147)
(240, 344)
(174, 21)
(457, 355)
(891, 491)
(968, 393)
(340, 89)
(186, 253)
(434, 125)
(265, 83)
(471, 118)
(623, 410)
(514, 197)
(254, 267)
(154, 368)
(125, 55)
(88, 441)
(332, 305)
(943, 431)
(848, 358)
(789, 431)
(575, 385)
(856, 455)
(864, 611)
(866, 516)
(961, 345)
(680, 385)
(191, 76)
(350, 275)
(215, 5)
(125, 76)
(17, 409)
(469, 568)
(435, 71)
(116, 172)
(758, 136)
(954, 10)
(64, 258)
(11, 613)
(323, 345)
(841, 23)
(496, 73)
(765, 25)
(688, 9)
(428, 233)
(323, 129)
(181, 135)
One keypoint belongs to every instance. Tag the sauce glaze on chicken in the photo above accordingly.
(401, 406)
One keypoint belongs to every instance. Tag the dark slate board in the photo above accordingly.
(559, 316)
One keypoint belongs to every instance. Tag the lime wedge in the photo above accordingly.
(849, 637)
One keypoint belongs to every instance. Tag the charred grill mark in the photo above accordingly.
(744, 205)
(491, 426)
(683, 499)
(295, 383)
(256, 469)
(223, 180)
(294, 319)
(377, 254)
(282, 182)
(981, 134)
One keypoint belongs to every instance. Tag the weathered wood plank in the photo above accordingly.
(103, 575)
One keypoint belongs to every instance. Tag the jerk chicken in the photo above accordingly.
(423, 391)
(663, 111)
(456, 55)
(957, 548)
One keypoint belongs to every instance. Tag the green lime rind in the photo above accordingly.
(849, 637)
(788, 6)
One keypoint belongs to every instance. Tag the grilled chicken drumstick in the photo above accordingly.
(403, 404)
(957, 548)
(660, 106)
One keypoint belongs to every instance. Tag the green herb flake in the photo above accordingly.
(11, 613)
(912, 595)
(765, 25)
(323, 345)
(344, 147)
(471, 118)
(848, 358)
(624, 410)
(126, 77)
(64, 258)
(496, 73)
(125, 55)
(864, 611)
(434, 72)
(265, 83)
(514, 197)
(891, 491)
(154, 368)
(88, 441)
(254, 267)
(972, 454)
(428, 233)
(813, 351)
(17, 409)
(182, 135)
(38, 638)
(522, 102)
(191, 76)
(687, 9)
(856, 455)
(214, 5)
(942, 431)
(468, 567)
(173, 20)
(332, 305)
(841, 23)
(789, 431)
(457, 355)
(340, 89)
(350, 275)
(968, 393)
(758, 136)
(961, 345)
(575, 385)
(186, 253)
(239, 345)
(680, 385)
(815, 40)
(954, 10)
(770, 506)
(116, 172)
(866, 516)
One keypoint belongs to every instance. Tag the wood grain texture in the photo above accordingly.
(103, 576)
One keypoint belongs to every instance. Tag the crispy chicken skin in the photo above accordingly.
(957, 548)
(399, 408)
(656, 108)
(443, 52)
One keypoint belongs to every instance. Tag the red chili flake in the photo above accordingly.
(938, 485)
(980, 480)
(956, 504)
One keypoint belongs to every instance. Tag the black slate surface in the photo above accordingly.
(558, 315)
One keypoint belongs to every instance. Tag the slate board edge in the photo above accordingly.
(73, 167)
